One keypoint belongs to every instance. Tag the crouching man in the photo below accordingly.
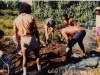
(4, 56)
(77, 33)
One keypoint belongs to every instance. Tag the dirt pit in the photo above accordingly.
(52, 57)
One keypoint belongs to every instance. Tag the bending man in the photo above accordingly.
(77, 33)
(49, 24)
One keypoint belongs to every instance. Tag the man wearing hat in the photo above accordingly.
(97, 9)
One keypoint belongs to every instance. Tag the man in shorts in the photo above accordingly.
(25, 27)
(77, 33)
(97, 9)
(49, 24)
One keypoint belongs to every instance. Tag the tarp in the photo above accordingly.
(92, 59)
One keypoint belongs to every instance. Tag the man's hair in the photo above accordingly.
(51, 23)
(24, 8)
(1, 33)
(65, 15)
(60, 27)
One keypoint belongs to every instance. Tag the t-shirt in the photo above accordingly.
(97, 20)
(24, 23)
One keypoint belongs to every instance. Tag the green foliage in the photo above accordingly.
(79, 10)
(83, 12)
(3, 5)
(6, 21)
(12, 5)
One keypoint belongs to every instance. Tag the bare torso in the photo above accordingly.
(70, 31)
(70, 22)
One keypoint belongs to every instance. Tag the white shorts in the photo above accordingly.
(28, 42)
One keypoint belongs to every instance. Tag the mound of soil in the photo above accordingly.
(52, 56)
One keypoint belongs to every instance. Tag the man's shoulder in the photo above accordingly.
(17, 18)
(28, 15)
(71, 19)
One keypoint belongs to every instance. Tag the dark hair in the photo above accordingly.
(65, 15)
(1, 33)
(51, 23)
(97, 10)
(24, 8)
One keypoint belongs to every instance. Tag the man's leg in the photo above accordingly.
(98, 37)
(98, 41)
(38, 61)
(24, 64)
(81, 45)
(70, 45)
(80, 40)
(52, 36)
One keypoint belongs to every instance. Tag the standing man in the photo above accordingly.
(97, 9)
(68, 21)
(77, 33)
(26, 28)
(49, 24)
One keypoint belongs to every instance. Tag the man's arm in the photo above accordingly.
(65, 36)
(73, 22)
(65, 23)
(51, 31)
(46, 32)
(16, 34)
(36, 31)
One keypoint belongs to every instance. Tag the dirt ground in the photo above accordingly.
(53, 56)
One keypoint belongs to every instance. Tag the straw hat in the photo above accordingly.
(97, 8)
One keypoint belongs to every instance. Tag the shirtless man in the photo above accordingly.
(77, 33)
(68, 21)
(49, 24)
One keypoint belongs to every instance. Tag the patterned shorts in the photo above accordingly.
(98, 31)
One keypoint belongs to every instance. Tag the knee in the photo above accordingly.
(71, 42)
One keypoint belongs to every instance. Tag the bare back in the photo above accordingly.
(71, 30)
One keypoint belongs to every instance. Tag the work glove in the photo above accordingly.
(67, 48)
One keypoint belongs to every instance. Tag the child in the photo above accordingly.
(3, 56)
